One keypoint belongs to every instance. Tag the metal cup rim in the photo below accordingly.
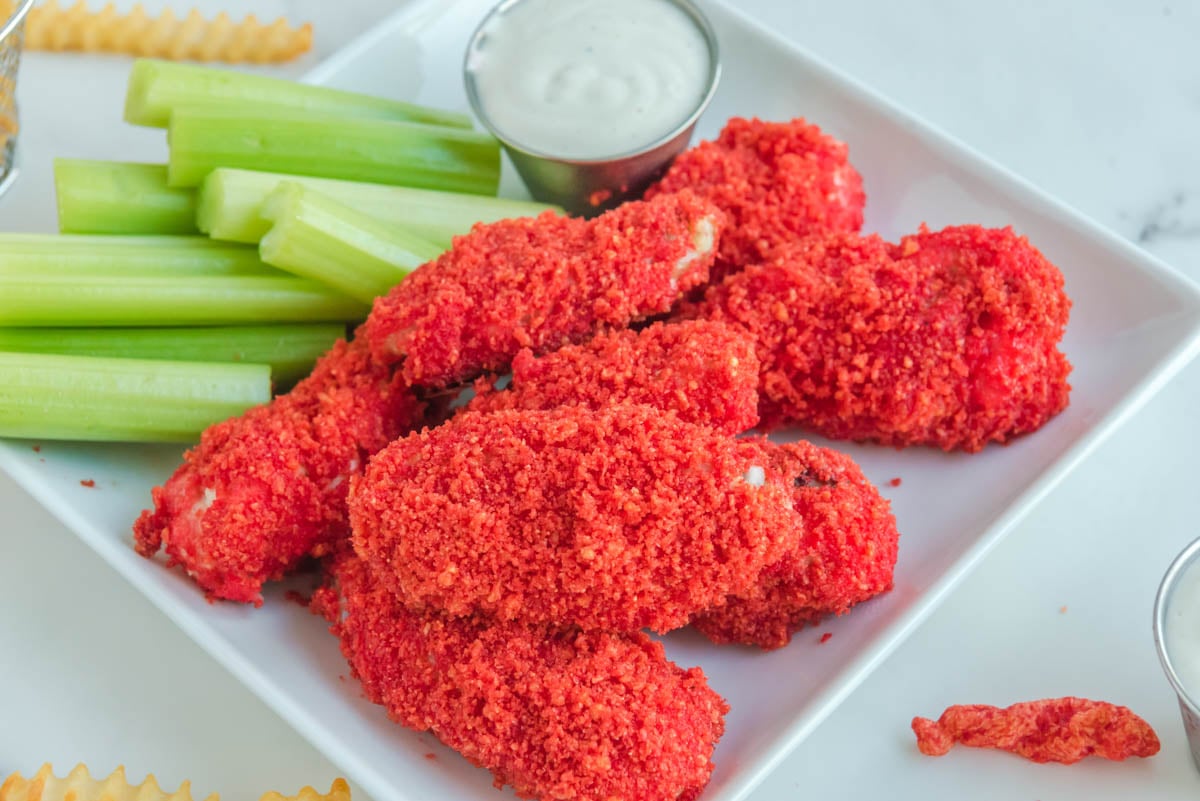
(15, 18)
(714, 78)
(1178, 565)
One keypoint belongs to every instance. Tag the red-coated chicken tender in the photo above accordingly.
(706, 372)
(556, 713)
(540, 283)
(620, 518)
(265, 490)
(949, 338)
(845, 553)
(1052, 730)
(775, 181)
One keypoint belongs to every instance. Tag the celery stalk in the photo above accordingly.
(77, 300)
(317, 237)
(113, 197)
(156, 88)
(47, 396)
(379, 151)
(229, 203)
(290, 350)
(85, 254)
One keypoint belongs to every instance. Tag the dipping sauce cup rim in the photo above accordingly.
(1180, 564)
(714, 78)
(14, 19)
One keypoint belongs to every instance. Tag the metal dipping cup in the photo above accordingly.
(1188, 705)
(12, 42)
(590, 186)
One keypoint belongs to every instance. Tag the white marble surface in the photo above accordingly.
(1097, 102)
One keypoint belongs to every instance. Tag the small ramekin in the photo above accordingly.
(1188, 705)
(589, 186)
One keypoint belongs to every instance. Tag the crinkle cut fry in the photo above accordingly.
(266, 490)
(844, 555)
(51, 26)
(541, 283)
(775, 181)
(1051, 730)
(619, 518)
(78, 785)
(705, 372)
(553, 712)
(949, 338)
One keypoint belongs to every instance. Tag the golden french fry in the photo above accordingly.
(78, 785)
(51, 26)
(338, 791)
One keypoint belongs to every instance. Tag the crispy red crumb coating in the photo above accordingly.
(775, 181)
(265, 490)
(557, 714)
(949, 338)
(619, 519)
(540, 283)
(845, 553)
(1052, 730)
(706, 372)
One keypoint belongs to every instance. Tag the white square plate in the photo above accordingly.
(1134, 324)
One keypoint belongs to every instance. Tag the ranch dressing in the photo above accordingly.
(589, 79)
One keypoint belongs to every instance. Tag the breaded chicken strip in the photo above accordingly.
(265, 490)
(556, 713)
(620, 518)
(775, 181)
(949, 338)
(541, 283)
(844, 554)
(706, 372)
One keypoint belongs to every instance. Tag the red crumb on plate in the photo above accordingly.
(825, 637)
(895, 482)
(87, 482)
(430, 756)
(37, 448)
(1051, 730)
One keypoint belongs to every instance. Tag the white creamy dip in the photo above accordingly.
(1181, 629)
(589, 79)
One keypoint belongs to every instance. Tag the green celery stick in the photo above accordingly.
(114, 197)
(156, 88)
(104, 300)
(317, 237)
(86, 254)
(289, 349)
(378, 151)
(48, 396)
(230, 201)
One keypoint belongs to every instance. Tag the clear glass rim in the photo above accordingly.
(15, 18)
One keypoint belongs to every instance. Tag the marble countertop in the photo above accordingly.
(1099, 104)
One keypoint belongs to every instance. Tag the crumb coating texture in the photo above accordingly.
(949, 338)
(265, 490)
(540, 283)
(1051, 730)
(618, 519)
(557, 714)
(706, 372)
(844, 554)
(775, 181)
